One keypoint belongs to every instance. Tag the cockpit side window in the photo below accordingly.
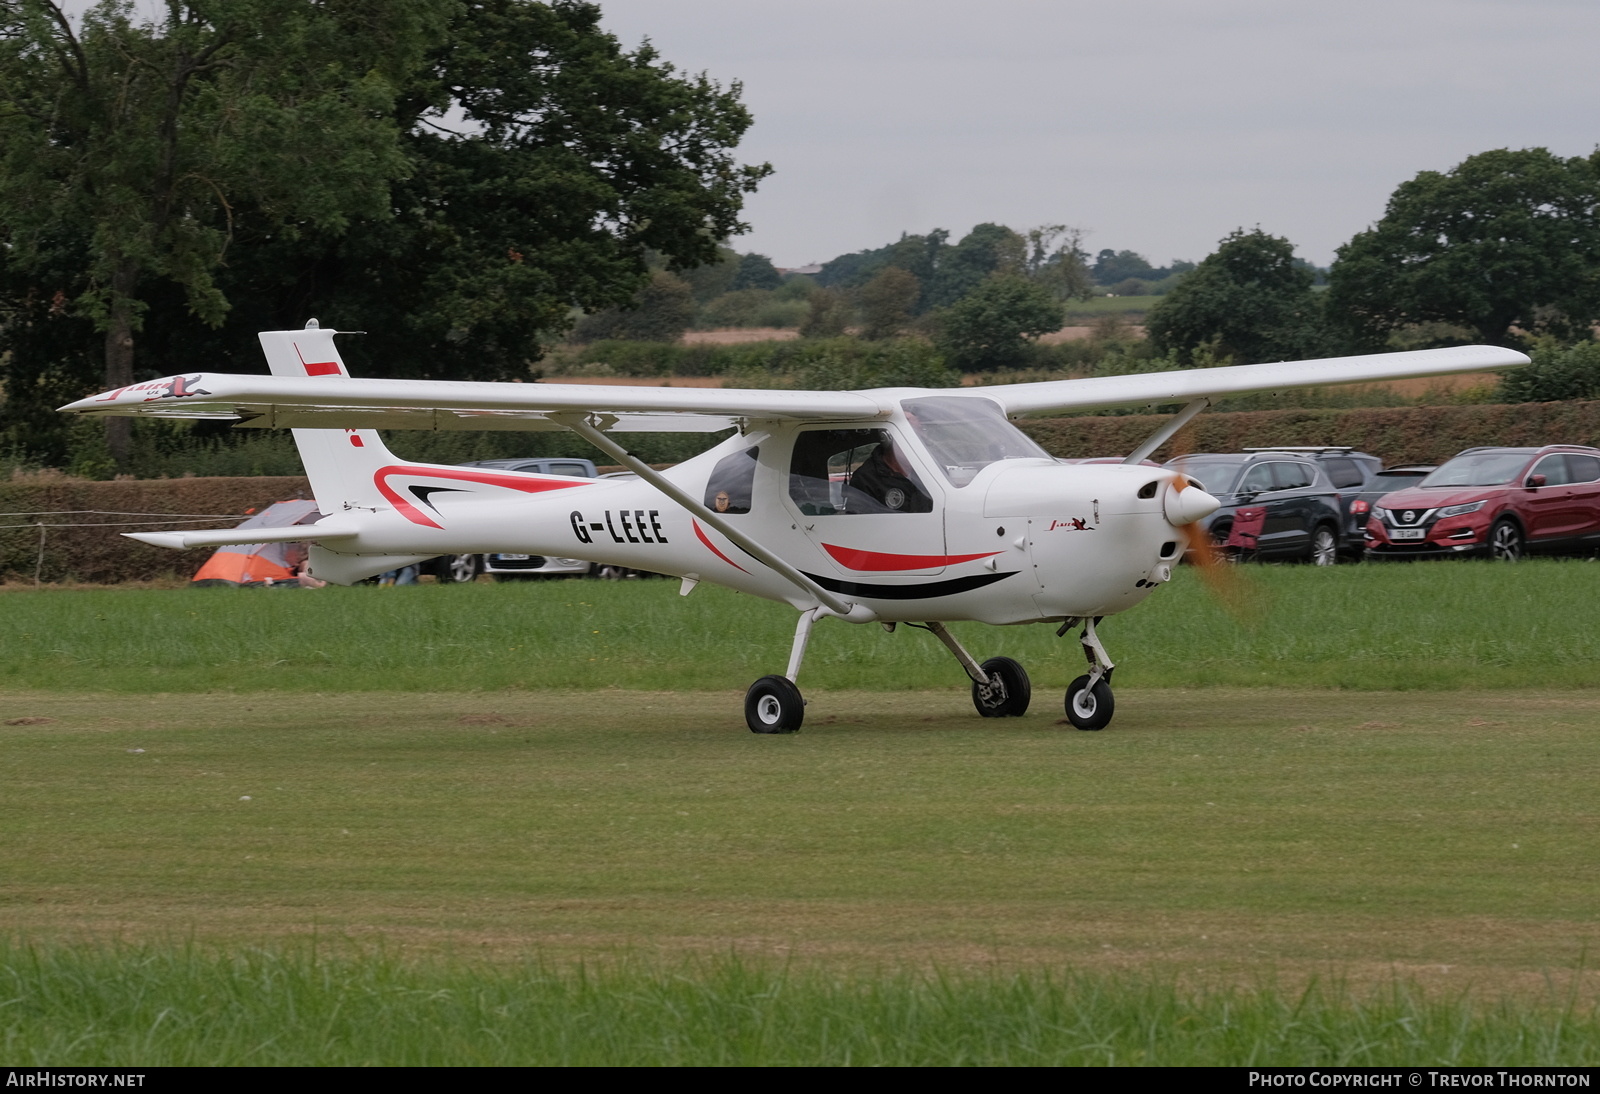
(732, 481)
(964, 435)
(849, 471)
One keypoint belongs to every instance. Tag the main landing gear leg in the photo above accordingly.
(773, 704)
(1000, 687)
(1089, 701)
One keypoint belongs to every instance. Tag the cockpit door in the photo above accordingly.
(863, 500)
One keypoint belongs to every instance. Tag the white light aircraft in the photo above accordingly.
(898, 505)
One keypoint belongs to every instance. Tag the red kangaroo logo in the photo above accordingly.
(179, 388)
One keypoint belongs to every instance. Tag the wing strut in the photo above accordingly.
(1164, 434)
(585, 429)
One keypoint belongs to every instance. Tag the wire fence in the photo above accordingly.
(44, 526)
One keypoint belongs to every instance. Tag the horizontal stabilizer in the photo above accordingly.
(223, 537)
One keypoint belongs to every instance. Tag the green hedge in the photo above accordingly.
(91, 547)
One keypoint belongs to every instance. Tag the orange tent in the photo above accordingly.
(259, 563)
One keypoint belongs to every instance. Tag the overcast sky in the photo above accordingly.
(1158, 126)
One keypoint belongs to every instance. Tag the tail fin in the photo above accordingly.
(341, 463)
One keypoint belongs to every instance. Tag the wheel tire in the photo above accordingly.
(1008, 692)
(1324, 547)
(457, 569)
(773, 705)
(1505, 541)
(1090, 708)
(607, 572)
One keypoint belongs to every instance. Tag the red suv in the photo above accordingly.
(1500, 502)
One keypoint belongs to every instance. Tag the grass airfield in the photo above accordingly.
(1429, 851)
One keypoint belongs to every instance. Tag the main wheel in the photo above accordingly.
(456, 569)
(773, 705)
(1089, 708)
(1007, 693)
(1505, 541)
(1324, 547)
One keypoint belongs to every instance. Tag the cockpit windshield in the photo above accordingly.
(965, 435)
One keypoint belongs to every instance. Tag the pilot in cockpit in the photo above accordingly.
(885, 478)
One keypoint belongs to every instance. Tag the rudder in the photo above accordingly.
(341, 463)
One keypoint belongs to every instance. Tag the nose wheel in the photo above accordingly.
(1089, 703)
(1089, 700)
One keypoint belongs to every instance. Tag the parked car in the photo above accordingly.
(455, 569)
(1302, 516)
(1351, 473)
(1386, 481)
(1496, 502)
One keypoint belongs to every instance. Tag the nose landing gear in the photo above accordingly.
(1089, 700)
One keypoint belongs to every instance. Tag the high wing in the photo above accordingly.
(1189, 385)
(342, 402)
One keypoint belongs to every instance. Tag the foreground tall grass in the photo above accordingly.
(1430, 626)
(152, 1006)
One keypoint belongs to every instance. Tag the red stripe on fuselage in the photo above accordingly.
(701, 536)
(513, 481)
(853, 559)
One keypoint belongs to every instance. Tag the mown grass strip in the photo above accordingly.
(1437, 626)
(184, 1006)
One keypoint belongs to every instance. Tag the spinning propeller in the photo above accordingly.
(1187, 504)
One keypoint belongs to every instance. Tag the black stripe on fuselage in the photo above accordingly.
(924, 591)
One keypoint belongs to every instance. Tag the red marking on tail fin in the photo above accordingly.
(317, 368)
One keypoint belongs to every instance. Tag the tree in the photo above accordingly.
(586, 160)
(991, 326)
(1249, 300)
(1558, 372)
(756, 272)
(659, 312)
(827, 315)
(986, 250)
(1054, 258)
(1505, 242)
(715, 277)
(1110, 267)
(887, 302)
(137, 141)
(533, 165)
(917, 255)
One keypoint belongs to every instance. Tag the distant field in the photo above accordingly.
(1110, 305)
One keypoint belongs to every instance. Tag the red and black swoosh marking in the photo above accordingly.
(927, 590)
(703, 538)
(511, 480)
(853, 558)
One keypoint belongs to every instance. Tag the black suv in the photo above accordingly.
(1304, 515)
(1352, 474)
